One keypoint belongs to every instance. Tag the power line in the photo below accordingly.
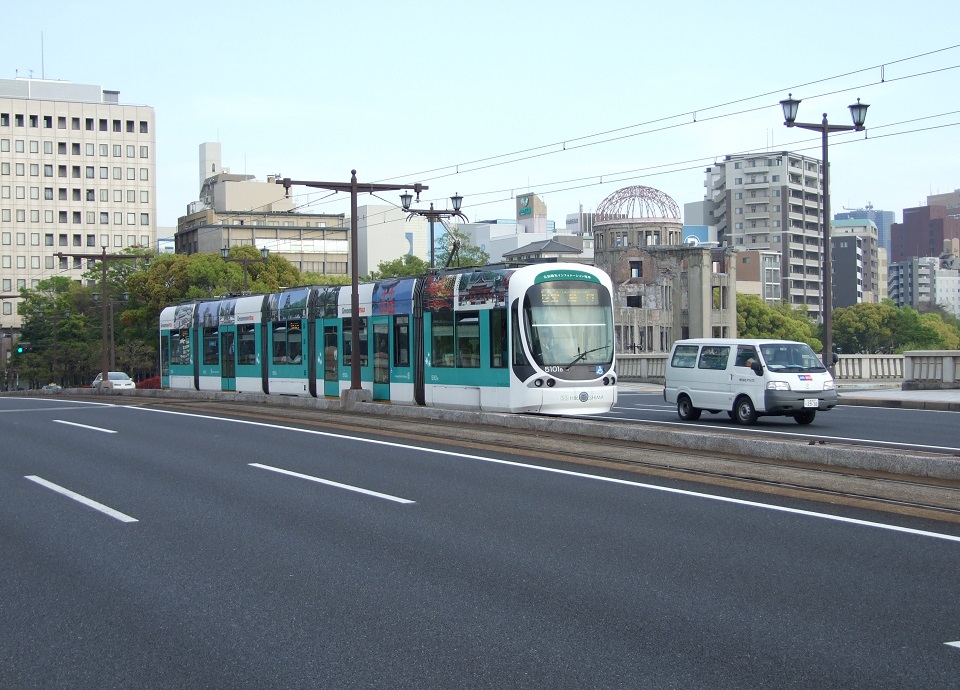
(691, 113)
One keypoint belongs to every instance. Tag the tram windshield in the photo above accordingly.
(568, 323)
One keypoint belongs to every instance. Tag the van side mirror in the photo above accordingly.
(757, 368)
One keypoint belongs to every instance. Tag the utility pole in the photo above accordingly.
(104, 259)
(354, 188)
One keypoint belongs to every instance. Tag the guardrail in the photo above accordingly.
(650, 367)
(931, 369)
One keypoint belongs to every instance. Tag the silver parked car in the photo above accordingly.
(116, 380)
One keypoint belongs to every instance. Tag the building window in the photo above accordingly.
(144, 174)
(144, 219)
(143, 127)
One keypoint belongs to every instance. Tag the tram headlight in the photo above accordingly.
(538, 383)
(606, 380)
(551, 383)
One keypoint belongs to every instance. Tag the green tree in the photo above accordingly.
(466, 254)
(757, 319)
(406, 265)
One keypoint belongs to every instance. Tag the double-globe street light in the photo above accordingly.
(858, 111)
(225, 255)
(432, 215)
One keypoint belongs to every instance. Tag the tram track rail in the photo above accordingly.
(921, 497)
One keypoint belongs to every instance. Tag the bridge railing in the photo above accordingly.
(931, 369)
(650, 367)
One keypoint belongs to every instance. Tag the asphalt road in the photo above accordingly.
(228, 554)
(912, 429)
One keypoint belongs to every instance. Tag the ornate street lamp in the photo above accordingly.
(432, 215)
(225, 255)
(858, 112)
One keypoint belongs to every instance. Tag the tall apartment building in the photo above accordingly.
(911, 282)
(882, 219)
(773, 202)
(77, 174)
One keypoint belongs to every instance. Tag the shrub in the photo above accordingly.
(150, 383)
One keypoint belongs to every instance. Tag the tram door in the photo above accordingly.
(331, 365)
(381, 357)
(228, 361)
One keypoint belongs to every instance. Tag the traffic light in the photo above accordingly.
(23, 347)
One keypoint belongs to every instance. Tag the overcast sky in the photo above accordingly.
(489, 99)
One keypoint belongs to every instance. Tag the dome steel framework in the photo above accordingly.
(637, 202)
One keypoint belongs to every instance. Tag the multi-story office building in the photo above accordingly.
(882, 219)
(922, 232)
(858, 263)
(773, 202)
(77, 174)
(240, 210)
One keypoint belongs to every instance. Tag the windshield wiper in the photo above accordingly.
(584, 354)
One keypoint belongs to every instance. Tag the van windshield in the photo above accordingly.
(791, 357)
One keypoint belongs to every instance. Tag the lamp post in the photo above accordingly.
(432, 215)
(111, 304)
(225, 255)
(354, 188)
(858, 112)
(104, 259)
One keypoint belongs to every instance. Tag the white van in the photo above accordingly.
(747, 379)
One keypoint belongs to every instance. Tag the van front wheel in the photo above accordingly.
(686, 410)
(805, 417)
(744, 411)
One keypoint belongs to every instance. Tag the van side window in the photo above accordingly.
(714, 357)
(684, 356)
(746, 356)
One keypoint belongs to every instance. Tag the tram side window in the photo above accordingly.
(287, 343)
(498, 338)
(468, 339)
(519, 358)
(348, 342)
(401, 341)
(164, 355)
(180, 347)
(247, 344)
(441, 338)
(211, 346)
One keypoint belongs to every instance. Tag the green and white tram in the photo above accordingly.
(530, 339)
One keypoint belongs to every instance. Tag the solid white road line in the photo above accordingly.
(85, 426)
(953, 644)
(569, 473)
(82, 499)
(331, 483)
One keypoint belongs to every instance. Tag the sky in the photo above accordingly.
(571, 101)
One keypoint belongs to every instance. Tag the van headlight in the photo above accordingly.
(828, 385)
(778, 386)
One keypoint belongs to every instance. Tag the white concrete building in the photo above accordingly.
(773, 202)
(77, 174)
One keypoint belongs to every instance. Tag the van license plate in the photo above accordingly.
(811, 402)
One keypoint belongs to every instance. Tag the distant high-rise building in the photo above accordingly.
(77, 175)
(882, 219)
(922, 232)
(858, 263)
(951, 200)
